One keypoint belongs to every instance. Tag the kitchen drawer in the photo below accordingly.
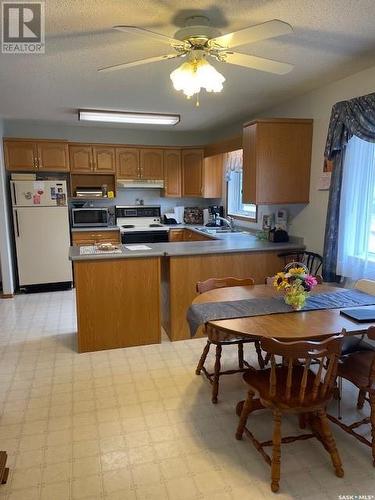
(176, 234)
(90, 237)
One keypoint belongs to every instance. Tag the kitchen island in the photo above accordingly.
(124, 298)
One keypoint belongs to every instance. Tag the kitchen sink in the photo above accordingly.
(219, 230)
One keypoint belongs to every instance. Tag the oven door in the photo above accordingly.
(89, 217)
(144, 237)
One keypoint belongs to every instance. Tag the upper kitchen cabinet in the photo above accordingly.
(127, 163)
(87, 158)
(53, 156)
(151, 161)
(213, 176)
(29, 155)
(172, 173)
(80, 158)
(192, 172)
(104, 159)
(276, 161)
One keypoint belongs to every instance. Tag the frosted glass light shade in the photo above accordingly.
(194, 75)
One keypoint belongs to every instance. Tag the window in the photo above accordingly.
(356, 239)
(234, 200)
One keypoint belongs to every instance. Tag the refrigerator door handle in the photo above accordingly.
(14, 194)
(17, 223)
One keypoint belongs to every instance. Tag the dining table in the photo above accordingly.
(293, 325)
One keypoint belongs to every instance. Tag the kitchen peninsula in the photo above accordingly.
(124, 298)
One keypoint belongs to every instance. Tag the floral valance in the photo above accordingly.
(353, 117)
(233, 162)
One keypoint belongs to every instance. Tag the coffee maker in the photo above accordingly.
(213, 212)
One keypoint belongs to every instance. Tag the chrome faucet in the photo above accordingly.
(228, 220)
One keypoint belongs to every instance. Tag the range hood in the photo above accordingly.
(140, 183)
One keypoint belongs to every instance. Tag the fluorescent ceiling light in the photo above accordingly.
(93, 115)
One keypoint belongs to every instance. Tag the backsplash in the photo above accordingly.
(153, 197)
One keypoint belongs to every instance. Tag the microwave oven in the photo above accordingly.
(90, 217)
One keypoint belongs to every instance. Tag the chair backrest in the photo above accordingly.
(371, 336)
(367, 286)
(313, 261)
(212, 283)
(298, 388)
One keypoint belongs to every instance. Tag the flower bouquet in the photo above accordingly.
(296, 283)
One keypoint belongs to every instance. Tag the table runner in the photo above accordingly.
(199, 314)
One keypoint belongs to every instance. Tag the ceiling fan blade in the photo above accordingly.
(139, 62)
(259, 63)
(269, 29)
(152, 34)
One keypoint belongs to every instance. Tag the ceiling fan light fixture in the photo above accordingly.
(96, 115)
(194, 75)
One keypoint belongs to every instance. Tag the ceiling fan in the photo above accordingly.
(198, 41)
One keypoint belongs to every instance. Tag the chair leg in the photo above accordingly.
(276, 451)
(215, 384)
(203, 358)
(372, 422)
(259, 354)
(361, 399)
(302, 420)
(330, 443)
(240, 356)
(246, 409)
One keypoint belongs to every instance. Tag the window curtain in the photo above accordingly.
(353, 258)
(355, 117)
(232, 163)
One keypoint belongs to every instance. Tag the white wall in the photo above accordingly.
(310, 222)
(6, 263)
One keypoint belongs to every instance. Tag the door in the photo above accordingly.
(172, 173)
(152, 164)
(53, 156)
(127, 163)
(192, 165)
(81, 161)
(42, 243)
(38, 193)
(20, 155)
(104, 159)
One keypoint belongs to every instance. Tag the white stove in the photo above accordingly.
(141, 224)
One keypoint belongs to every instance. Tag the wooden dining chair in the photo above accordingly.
(294, 388)
(356, 343)
(359, 369)
(313, 261)
(221, 339)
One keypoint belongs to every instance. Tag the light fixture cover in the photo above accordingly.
(97, 115)
(194, 75)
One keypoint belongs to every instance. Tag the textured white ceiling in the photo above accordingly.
(332, 39)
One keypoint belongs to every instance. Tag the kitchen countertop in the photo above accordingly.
(97, 228)
(221, 243)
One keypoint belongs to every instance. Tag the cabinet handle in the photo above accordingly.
(35, 162)
(17, 224)
(39, 162)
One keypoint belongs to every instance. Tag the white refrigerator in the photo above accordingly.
(41, 227)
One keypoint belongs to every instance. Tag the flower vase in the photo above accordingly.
(295, 298)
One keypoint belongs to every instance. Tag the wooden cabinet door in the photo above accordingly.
(53, 156)
(192, 166)
(176, 235)
(172, 173)
(20, 155)
(104, 159)
(213, 176)
(127, 163)
(81, 160)
(152, 164)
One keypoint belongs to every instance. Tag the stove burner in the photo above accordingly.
(155, 225)
(128, 226)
